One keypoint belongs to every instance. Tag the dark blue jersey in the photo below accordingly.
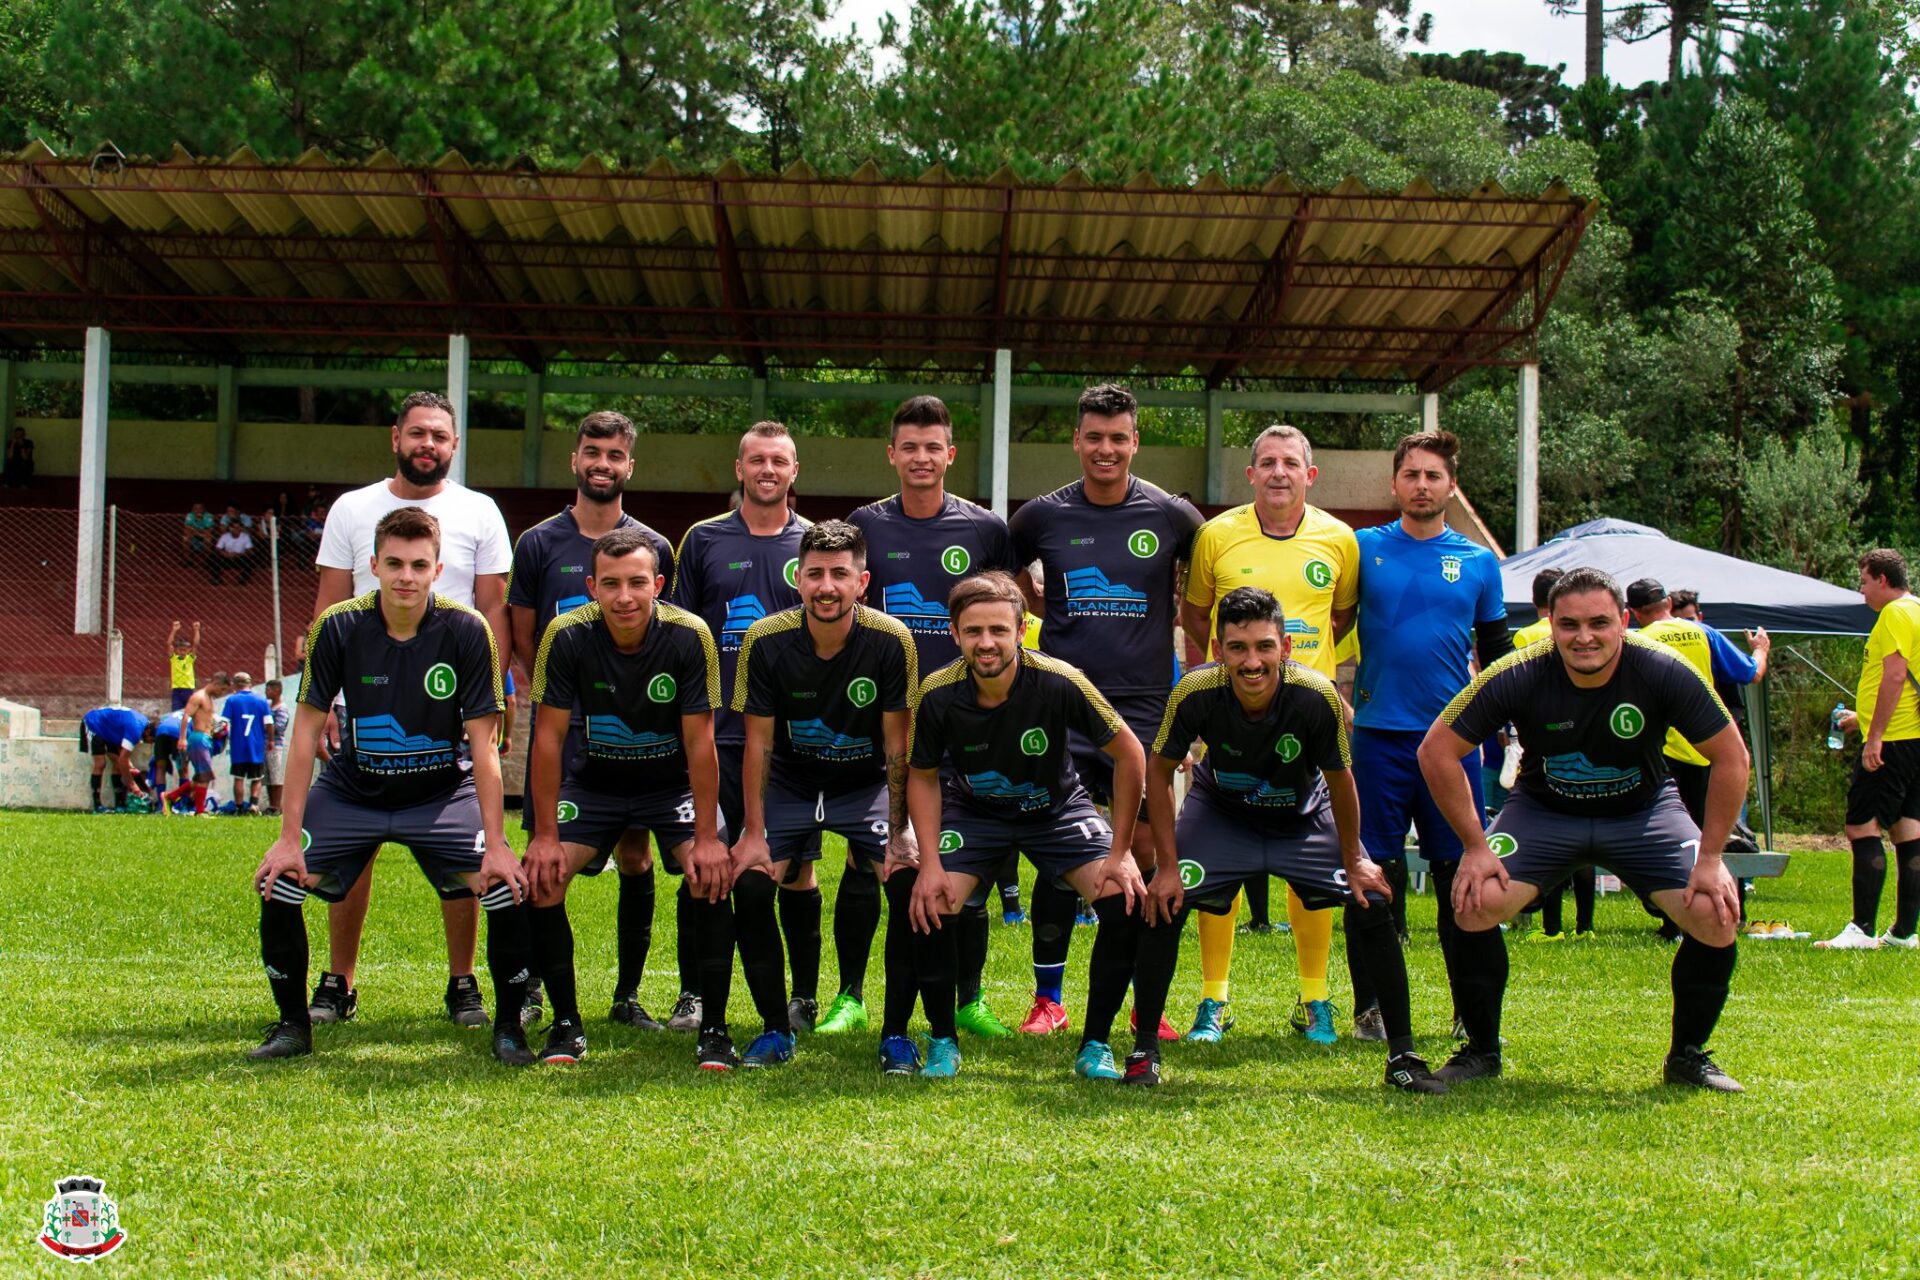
(915, 563)
(730, 579)
(1268, 771)
(552, 561)
(1110, 572)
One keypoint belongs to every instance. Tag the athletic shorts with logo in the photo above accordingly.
(446, 837)
(1220, 851)
(795, 820)
(1889, 793)
(1650, 849)
(733, 808)
(598, 820)
(975, 843)
(1394, 796)
(1143, 713)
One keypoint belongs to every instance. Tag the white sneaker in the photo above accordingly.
(1911, 942)
(1851, 938)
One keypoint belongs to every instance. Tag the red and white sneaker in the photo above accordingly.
(1166, 1032)
(1046, 1017)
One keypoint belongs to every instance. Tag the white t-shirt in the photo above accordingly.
(234, 542)
(473, 536)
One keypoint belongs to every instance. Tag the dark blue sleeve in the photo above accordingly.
(1023, 532)
(524, 578)
(1729, 663)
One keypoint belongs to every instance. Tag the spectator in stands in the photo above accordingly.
(19, 467)
(233, 549)
(234, 517)
(180, 659)
(112, 732)
(196, 535)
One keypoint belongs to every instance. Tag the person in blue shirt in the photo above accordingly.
(248, 741)
(1429, 598)
(112, 733)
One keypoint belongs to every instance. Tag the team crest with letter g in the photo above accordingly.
(81, 1224)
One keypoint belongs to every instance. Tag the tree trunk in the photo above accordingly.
(1676, 47)
(1596, 40)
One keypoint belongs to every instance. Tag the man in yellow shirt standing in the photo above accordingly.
(1311, 562)
(1884, 792)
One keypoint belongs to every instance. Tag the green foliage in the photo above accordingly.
(1531, 95)
(1803, 503)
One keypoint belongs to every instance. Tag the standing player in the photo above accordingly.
(1307, 558)
(250, 743)
(733, 570)
(1592, 709)
(282, 720)
(551, 564)
(475, 557)
(111, 733)
(416, 671)
(1001, 719)
(1111, 547)
(920, 542)
(1429, 599)
(196, 743)
(826, 690)
(640, 677)
(1273, 796)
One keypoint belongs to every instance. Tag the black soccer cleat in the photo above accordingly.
(283, 1040)
(1408, 1072)
(1696, 1067)
(686, 1013)
(510, 1047)
(534, 1007)
(629, 1012)
(1143, 1069)
(1468, 1063)
(333, 1000)
(802, 1013)
(566, 1042)
(716, 1052)
(463, 1002)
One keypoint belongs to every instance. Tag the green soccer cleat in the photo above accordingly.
(943, 1059)
(1211, 1021)
(1095, 1062)
(846, 1013)
(977, 1020)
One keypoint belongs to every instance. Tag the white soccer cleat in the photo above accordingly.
(1911, 942)
(1851, 938)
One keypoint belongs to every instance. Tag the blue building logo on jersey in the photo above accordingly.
(904, 601)
(381, 745)
(1090, 594)
(568, 604)
(1578, 778)
(611, 738)
(997, 789)
(1257, 792)
(742, 612)
(817, 739)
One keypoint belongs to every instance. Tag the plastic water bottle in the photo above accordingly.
(1835, 738)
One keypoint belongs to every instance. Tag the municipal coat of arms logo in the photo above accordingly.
(82, 1225)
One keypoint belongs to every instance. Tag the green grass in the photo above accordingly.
(130, 985)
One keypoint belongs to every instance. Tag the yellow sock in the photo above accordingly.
(1313, 940)
(1216, 950)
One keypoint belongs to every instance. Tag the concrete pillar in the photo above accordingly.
(1527, 457)
(1430, 411)
(533, 425)
(226, 419)
(95, 380)
(458, 376)
(996, 432)
(1216, 441)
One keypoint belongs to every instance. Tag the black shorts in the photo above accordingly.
(598, 820)
(165, 750)
(570, 746)
(180, 698)
(1889, 793)
(733, 809)
(976, 843)
(97, 745)
(341, 835)
(1220, 851)
(795, 820)
(251, 769)
(1143, 713)
(1649, 849)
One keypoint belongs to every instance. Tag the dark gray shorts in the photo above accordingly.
(598, 820)
(733, 809)
(1220, 852)
(341, 835)
(975, 843)
(1143, 713)
(1649, 849)
(795, 820)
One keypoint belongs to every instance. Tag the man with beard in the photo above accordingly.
(475, 555)
(552, 562)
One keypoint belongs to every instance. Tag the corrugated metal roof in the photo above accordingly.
(242, 257)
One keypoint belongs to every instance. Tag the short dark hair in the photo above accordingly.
(1577, 582)
(922, 411)
(1543, 586)
(273, 686)
(768, 430)
(624, 542)
(409, 523)
(1887, 565)
(1109, 400)
(426, 400)
(605, 424)
(830, 537)
(220, 677)
(993, 586)
(1685, 598)
(1443, 444)
(1249, 604)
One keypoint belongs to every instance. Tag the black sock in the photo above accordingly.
(856, 918)
(686, 940)
(1110, 970)
(1396, 869)
(1371, 935)
(1700, 977)
(283, 949)
(1869, 878)
(119, 791)
(903, 987)
(1051, 909)
(1156, 955)
(1008, 879)
(1364, 997)
(936, 958)
(1441, 875)
(1479, 985)
(973, 951)
(800, 913)
(633, 933)
(1906, 888)
(509, 956)
(1259, 900)
(1549, 904)
(93, 784)
(712, 932)
(553, 947)
(1586, 884)
(759, 939)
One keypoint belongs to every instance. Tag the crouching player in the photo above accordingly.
(1273, 796)
(999, 717)
(642, 678)
(415, 670)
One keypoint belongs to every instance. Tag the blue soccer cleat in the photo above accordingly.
(1095, 1062)
(1314, 1020)
(769, 1049)
(943, 1059)
(1211, 1021)
(899, 1056)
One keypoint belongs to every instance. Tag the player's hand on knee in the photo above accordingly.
(1123, 877)
(1364, 876)
(750, 853)
(929, 900)
(709, 870)
(499, 866)
(1479, 878)
(1164, 897)
(545, 866)
(1710, 887)
(283, 858)
(903, 853)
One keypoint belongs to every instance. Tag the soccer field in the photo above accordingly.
(130, 986)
